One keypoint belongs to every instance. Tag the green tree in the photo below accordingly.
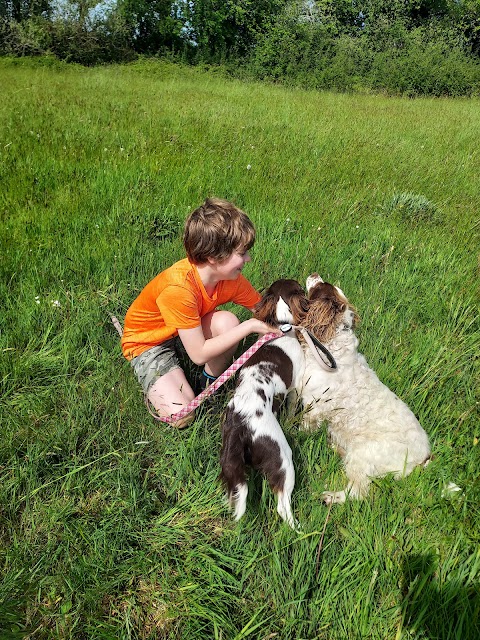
(20, 10)
(223, 29)
(468, 20)
(154, 26)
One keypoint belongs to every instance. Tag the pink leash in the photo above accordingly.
(222, 378)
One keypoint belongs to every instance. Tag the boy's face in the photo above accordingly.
(231, 268)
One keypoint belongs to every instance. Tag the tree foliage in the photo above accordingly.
(221, 29)
(410, 46)
(152, 25)
(20, 10)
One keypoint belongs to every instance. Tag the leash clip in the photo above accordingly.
(285, 328)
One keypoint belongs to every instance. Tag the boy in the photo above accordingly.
(180, 304)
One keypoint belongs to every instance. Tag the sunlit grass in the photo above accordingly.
(112, 525)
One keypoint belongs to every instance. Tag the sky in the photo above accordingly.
(66, 8)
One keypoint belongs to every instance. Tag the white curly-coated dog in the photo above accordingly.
(370, 427)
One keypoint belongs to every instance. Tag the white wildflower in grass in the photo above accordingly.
(450, 489)
(56, 303)
(37, 299)
(249, 166)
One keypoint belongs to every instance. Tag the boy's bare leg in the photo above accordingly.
(170, 393)
(214, 324)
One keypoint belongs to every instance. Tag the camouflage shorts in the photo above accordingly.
(155, 362)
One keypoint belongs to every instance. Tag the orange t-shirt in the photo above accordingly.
(176, 299)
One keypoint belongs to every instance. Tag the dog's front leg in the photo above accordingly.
(355, 490)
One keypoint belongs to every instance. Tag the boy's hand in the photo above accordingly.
(257, 326)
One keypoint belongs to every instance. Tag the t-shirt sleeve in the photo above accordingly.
(246, 295)
(179, 308)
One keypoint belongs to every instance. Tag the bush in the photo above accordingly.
(66, 39)
(73, 43)
(292, 51)
(28, 38)
(347, 67)
(432, 60)
(428, 63)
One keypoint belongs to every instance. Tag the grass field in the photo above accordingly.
(112, 525)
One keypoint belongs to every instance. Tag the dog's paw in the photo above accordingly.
(294, 525)
(334, 497)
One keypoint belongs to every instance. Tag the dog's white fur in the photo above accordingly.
(251, 433)
(372, 429)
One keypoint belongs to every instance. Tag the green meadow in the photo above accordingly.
(113, 525)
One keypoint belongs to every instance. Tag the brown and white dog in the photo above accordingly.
(371, 428)
(251, 434)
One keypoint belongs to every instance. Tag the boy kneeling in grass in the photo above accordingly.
(179, 307)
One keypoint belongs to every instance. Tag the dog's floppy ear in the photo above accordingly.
(299, 306)
(266, 309)
(321, 319)
(290, 293)
(328, 305)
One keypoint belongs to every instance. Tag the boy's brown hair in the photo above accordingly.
(215, 230)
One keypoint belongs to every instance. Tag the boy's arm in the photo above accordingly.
(200, 350)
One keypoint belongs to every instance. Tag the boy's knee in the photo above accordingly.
(223, 321)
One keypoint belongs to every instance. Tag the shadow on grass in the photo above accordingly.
(435, 608)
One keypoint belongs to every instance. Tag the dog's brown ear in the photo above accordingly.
(321, 319)
(299, 306)
(265, 310)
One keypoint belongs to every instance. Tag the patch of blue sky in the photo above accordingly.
(70, 10)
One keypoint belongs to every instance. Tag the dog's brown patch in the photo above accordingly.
(271, 360)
